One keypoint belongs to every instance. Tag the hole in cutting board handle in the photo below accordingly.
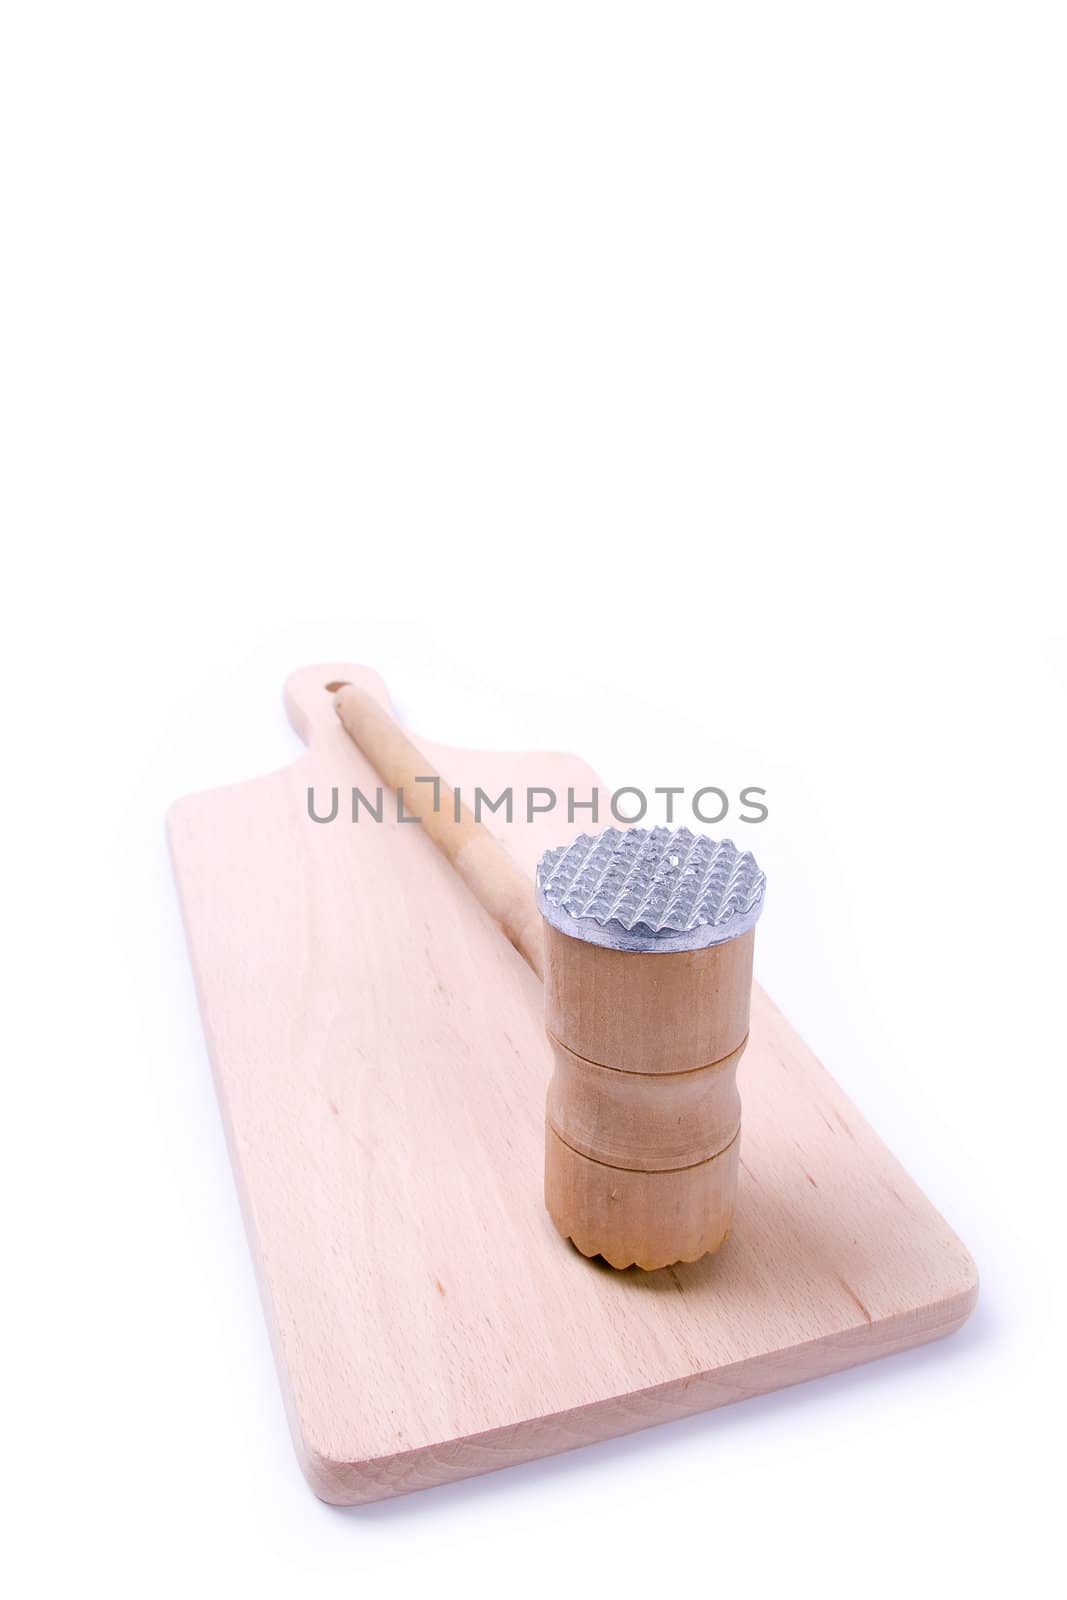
(340, 683)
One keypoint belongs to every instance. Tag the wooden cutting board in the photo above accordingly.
(381, 1068)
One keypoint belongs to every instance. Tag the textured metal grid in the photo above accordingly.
(650, 889)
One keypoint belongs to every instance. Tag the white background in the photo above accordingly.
(679, 384)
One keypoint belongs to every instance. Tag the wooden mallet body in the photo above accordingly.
(648, 976)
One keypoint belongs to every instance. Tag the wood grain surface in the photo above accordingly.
(381, 1066)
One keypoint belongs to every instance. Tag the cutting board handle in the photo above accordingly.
(309, 694)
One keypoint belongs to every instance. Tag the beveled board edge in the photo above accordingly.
(354, 1483)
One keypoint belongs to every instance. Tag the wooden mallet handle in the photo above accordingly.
(479, 858)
